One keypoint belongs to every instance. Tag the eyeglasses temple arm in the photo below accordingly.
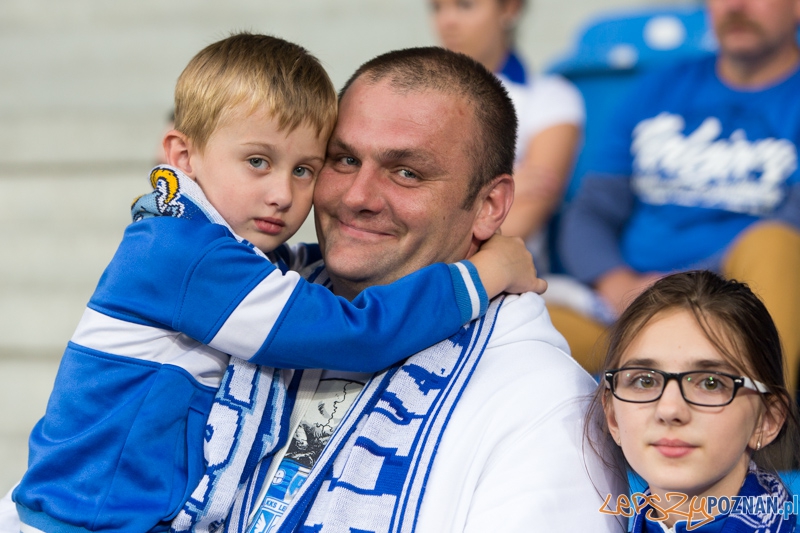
(755, 385)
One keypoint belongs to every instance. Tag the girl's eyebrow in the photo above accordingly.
(641, 361)
(715, 364)
(700, 364)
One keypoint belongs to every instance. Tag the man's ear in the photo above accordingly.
(511, 10)
(495, 202)
(178, 151)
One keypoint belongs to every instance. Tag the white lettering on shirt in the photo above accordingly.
(703, 170)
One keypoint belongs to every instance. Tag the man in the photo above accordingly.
(483, 431)
(700, 171)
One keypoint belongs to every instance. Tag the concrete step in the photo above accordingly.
(57, 232)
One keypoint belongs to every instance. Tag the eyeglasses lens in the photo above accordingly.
(638, 385)
(702, 388)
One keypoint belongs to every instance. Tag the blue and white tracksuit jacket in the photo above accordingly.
(122, 438)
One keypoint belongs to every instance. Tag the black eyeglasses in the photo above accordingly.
(698, 387)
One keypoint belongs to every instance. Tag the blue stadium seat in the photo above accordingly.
(615, 48)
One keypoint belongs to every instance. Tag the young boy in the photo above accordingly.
(120, 447)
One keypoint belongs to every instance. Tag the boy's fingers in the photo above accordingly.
(540, 286)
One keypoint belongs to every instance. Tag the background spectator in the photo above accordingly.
(549, 109)
(699, 170)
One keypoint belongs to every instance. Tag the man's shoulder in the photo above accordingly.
(551, 86)
(530, 357)
(652, 86)
(516, 435)
(524, 318)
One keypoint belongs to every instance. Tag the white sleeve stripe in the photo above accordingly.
(246, 329)
(113, 336)
(474, 299)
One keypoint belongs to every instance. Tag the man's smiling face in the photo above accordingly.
(389, 199)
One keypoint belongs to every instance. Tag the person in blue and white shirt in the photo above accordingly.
(699, 170)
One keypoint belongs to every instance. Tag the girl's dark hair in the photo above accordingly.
(737, 323)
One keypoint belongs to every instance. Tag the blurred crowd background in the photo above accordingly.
(85, 94)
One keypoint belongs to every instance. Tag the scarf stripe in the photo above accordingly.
(371, 475)
(416, 484)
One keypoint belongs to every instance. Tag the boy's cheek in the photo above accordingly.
(301, 206)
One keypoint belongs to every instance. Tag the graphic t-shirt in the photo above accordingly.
(335, 393)
(705, 161)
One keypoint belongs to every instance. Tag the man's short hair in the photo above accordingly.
(437, 69)
(256, 71)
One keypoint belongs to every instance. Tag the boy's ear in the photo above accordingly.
(495, 202)
(178, 151)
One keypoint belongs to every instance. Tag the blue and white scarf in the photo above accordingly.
(372, 474)
(758, 484)
(249, 416)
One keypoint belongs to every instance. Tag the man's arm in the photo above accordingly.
(620, 286)
(789, 210)
(589, 240)
(541, 178)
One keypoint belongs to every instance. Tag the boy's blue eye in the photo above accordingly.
(258, 162)
(302, 172)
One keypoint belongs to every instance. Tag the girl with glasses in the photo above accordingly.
(693, 394)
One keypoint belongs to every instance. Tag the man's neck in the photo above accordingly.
(752, 72)
(345, 289)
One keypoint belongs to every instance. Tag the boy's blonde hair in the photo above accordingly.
(257, 71)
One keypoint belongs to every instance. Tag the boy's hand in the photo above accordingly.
(505, 265)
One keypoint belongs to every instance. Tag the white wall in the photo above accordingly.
(91, 81)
